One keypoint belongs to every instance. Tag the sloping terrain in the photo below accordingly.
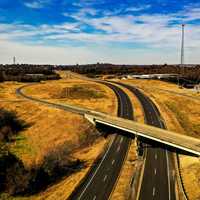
(58, 146)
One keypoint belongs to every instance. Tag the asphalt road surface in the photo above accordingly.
(158, 178)
(99, 183)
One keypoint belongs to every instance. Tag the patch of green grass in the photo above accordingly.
(5, 196)
(21, 147)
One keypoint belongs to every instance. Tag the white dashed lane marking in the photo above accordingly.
(118, 148)
(154, 191)
(105, 177)
(113, 161)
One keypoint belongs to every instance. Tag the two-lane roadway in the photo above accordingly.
(158, 177)
(99, 184)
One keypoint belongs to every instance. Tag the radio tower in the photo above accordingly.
(182, 45)
(14, 60)
(182, 54)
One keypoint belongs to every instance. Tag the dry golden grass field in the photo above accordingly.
(76, 92)
(181, 114)
(53, 131)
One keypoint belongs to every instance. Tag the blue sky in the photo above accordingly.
(88, 31)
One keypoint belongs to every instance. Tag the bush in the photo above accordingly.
(16, 180)
(10, 124)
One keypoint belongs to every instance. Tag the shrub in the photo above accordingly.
(10, 124)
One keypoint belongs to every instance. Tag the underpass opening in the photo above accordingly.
(106, 130)
(142, 142)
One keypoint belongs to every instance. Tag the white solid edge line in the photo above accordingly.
(118, 148)
(168, 174)
(113, 161)
(105, 177)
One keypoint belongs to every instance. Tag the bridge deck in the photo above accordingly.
(182, 142)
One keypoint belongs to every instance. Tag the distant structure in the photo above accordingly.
(182, 44)
(182, 53)
(14, 60)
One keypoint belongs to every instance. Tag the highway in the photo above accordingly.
(158, 177)
(100, 183)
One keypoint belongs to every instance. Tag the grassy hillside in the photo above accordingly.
(57, 148)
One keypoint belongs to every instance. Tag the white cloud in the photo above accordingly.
(37, 4)
(43, 54)
(38, 54)
(20, 31)
(191, 14)
(158, 32)
(136, 9)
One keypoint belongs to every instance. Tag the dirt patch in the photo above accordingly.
(84, 91)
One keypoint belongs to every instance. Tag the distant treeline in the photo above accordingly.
(31, 73)
(190, 72)
(27, 73)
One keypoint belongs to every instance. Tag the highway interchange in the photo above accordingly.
(157, 183)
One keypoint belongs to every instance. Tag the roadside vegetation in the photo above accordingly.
(53, 151)
(27, 73)
(191, 73)
(84, 91)
(10, 125)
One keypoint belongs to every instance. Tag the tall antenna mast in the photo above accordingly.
(182, 53)
(14, 60)
(182, 45)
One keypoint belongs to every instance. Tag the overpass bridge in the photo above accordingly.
(169, 138)
(175, 140)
